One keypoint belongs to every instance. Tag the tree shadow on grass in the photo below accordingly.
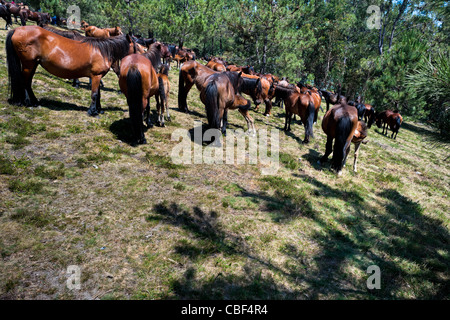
(410, 248)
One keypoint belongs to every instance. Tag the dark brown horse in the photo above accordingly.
(369, 115)
(390, 119)
(299, 104)
(20, 11)
(30, 46)
(5, 14)
(219, 95)
(193, 72)
(138, 80)
(341, 124)
(39, 17)
(331, 98)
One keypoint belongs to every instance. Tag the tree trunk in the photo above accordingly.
(264, 62)
(400, 13)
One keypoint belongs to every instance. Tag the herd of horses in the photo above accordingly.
(23, 12)
(222, 86)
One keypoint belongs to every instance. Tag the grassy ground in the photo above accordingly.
(74, 192)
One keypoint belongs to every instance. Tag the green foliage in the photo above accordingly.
(430, 84)
(324, 43)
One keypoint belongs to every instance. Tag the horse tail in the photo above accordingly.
(182, 96)
(212, 105)
(134, 100)
(343, 129)
(15, 77)
(310, 115)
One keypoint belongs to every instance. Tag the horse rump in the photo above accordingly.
(134, 100)
(341, 143)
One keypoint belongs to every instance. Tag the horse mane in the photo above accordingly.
(113, 48)
(283, 92)
(235, 79)
(154, 55)
(250, 83)
(73, 35)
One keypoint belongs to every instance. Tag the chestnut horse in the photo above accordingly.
(138, 81)
(92, 31)
(30, 46)
(316, 96)
(216, 66)
(300, 104)
(341, 124)
(389, 118)
(267, 94)
(162, 96)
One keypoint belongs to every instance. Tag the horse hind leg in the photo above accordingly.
(95, 96)
(328, 150)
(357, 145)
(148, 120)
(28, 74)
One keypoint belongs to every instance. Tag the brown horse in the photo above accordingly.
(193, 72)
(300, 104)
(162, 96)
(341, 124)
(38, 17)
(114, 32)
(95, 32)
(389, 118)
(220, 94)
(5, 14)
(84, 25)
(216, 66)
(20, 11)
(138, 80)
(331, 98)
(316, 97)
(369, 115)
(30, 46)
(267, 94)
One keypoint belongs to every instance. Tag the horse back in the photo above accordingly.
(150, 84)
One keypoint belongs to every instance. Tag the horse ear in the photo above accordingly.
(129, 38)
(240, 74)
